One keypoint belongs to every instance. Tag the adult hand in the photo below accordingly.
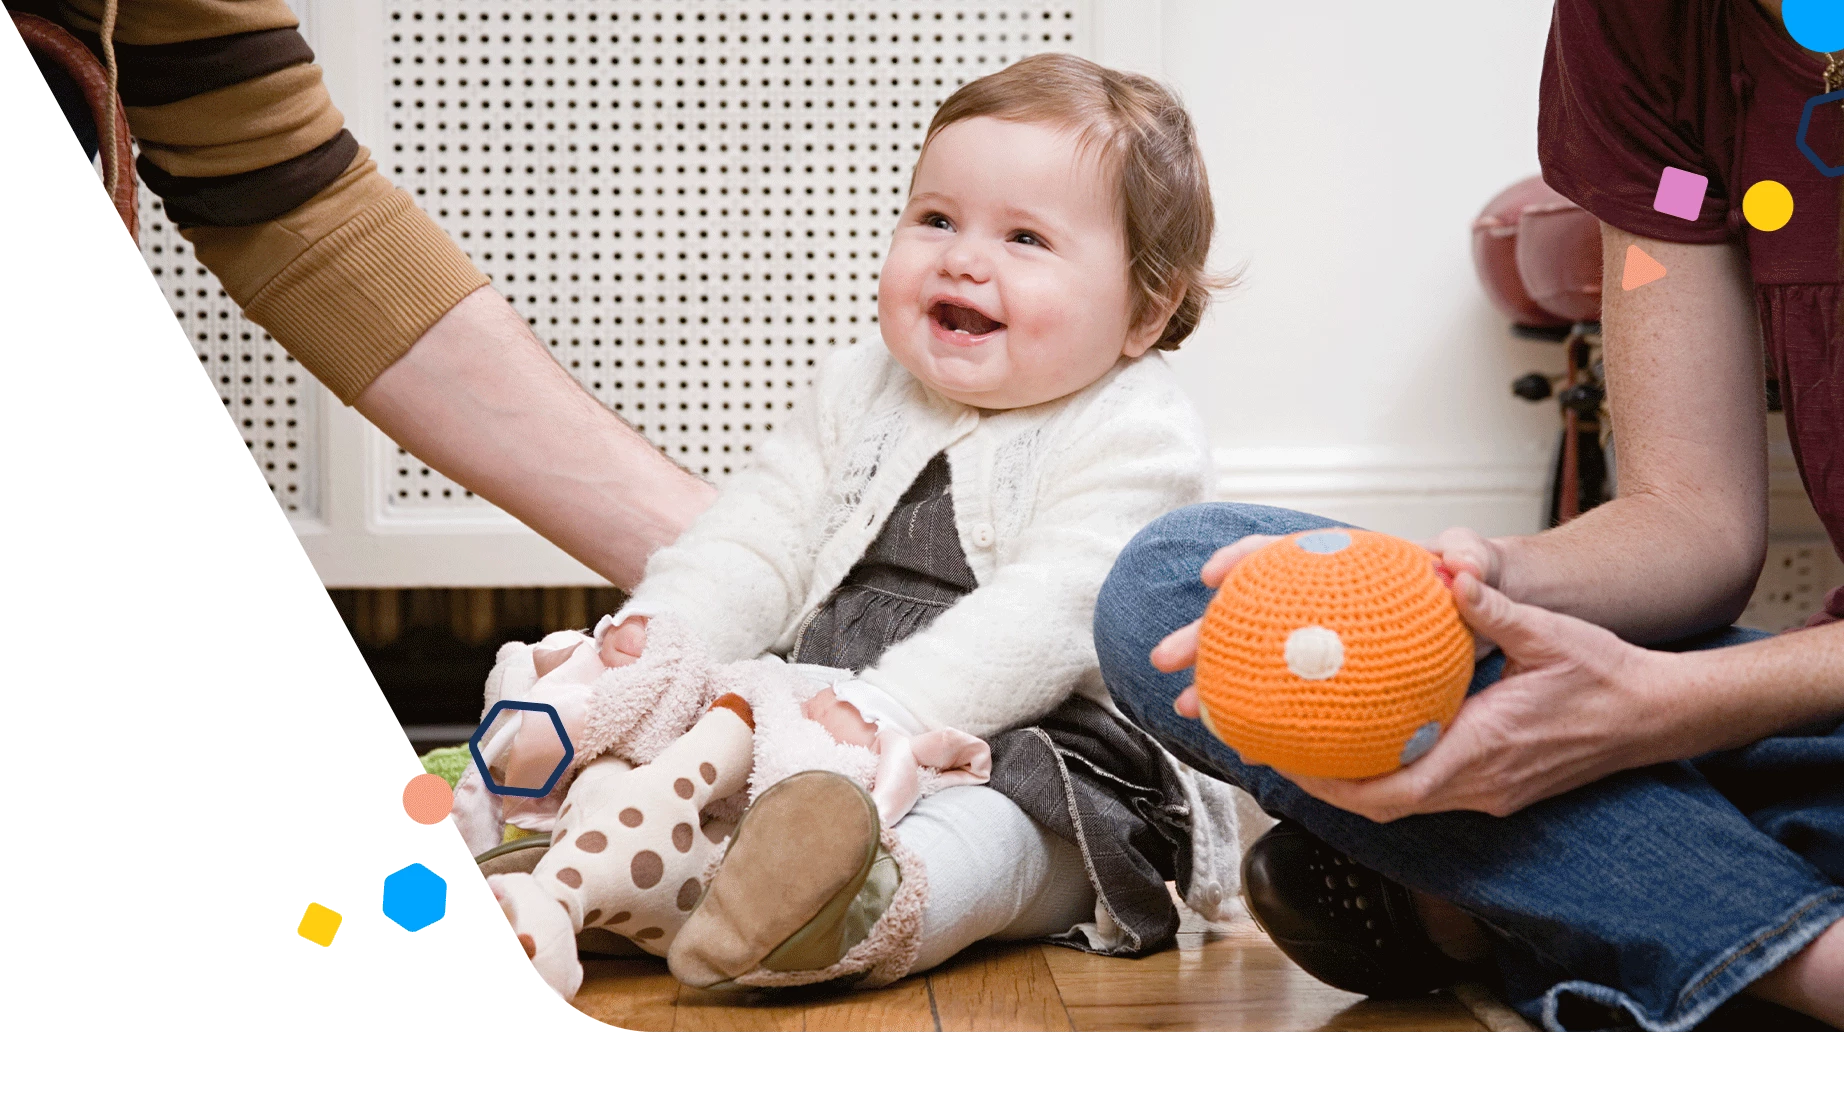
(840, 718)
(1576, 704)
(623, 644)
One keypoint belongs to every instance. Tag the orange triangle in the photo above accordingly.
(1641, 269)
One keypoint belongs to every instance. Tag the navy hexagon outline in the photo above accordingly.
(480, 762)
(1805, 124)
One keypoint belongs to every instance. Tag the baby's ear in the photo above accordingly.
(1143, 335)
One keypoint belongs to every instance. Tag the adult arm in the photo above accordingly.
(1679, 550)
(1677, 553)
(255, 166)
(479, 399)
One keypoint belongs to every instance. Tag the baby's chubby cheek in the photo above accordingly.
(902, 323)
(1049, 332)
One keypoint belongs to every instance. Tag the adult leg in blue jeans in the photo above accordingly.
(1651, 896)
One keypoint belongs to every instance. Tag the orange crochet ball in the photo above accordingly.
(1333, 653)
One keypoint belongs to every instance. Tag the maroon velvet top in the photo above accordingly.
(1714, 87)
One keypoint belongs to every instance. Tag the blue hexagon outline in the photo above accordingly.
(1805, 124)
(480, 762)
(413, 869)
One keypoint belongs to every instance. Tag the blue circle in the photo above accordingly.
(1817, 25)
(1325, 542)
(1417, 747)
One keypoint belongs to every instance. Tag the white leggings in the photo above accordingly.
(993, 872)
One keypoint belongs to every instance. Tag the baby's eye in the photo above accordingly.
(1029, 239)
(936, 220)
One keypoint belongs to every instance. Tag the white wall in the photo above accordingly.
(1359, 371)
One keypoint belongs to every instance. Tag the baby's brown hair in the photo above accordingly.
(1146, 140)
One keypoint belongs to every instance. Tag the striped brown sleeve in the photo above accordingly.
(254, 166)
(346, 282)
(162, 22)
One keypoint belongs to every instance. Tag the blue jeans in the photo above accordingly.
(1648, 898)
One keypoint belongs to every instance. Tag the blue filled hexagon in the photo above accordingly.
(414, 897)
(567, 751)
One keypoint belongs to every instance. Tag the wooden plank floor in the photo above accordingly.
(1222, 977)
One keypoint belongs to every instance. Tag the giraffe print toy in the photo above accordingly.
(631, 850)
(669, 750)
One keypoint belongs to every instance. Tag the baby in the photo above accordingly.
(924, 535)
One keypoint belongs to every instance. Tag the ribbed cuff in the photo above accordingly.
(610, 621)
(876, 706)
(358, 299)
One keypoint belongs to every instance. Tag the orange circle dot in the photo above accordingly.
(428, 798)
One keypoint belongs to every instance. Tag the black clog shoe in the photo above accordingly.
(1345, 924)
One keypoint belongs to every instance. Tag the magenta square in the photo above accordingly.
(1680, 193)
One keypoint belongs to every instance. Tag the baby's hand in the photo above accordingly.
(840, 718)
(623, 644)
(535, 749)
(566, 676)
(1462, 550)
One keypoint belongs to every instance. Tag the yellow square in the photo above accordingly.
(319, 924)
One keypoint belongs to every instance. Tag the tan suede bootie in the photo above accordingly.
(811, 889)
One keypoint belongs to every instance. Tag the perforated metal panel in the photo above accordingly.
(266, 392)
(688, 199)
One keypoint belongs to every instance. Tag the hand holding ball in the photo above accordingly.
(1334, 653)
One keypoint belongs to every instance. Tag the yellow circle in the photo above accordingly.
(1767, 205)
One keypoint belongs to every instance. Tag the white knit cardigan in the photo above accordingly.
(1045, 497)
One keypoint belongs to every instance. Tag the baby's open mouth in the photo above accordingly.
(962, 318)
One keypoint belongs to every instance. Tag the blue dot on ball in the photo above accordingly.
(1325, 543)
(1424, 739)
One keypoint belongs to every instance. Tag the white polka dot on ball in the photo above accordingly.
(1314, 653)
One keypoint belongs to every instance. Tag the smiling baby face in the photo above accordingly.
(1007, 281)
